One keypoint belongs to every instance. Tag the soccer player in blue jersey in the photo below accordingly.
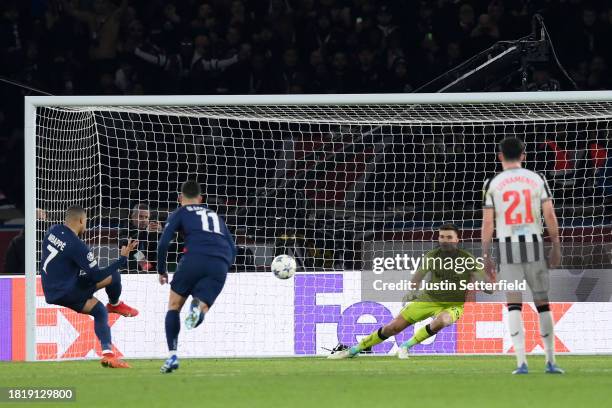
(70, 277)
(208, 254)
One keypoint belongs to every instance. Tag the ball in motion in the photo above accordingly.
(283, 266)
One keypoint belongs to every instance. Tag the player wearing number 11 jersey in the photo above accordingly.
(209, 252)
(514, 202)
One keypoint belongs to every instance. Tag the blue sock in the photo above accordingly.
(114, 289)
(101, 326)
(173, 326)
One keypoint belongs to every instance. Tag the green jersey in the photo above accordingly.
(450, 273)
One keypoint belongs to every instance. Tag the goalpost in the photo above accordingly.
(333, 180)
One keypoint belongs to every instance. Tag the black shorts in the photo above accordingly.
(79, 294)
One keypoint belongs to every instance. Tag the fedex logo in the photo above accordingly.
(463, 337)
(320, 309)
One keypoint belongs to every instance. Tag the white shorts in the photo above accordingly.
(535, 273)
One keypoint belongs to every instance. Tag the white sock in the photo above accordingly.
(515, 324)
(548, 335)
(107, 352)
(172, 353)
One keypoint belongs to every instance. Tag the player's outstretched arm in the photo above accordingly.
(171, 227)
(486, 235)
(552, 226)
(415, 283)
(129, 247)
(88, 264)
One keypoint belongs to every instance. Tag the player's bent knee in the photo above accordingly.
(176, 301)
(104, 282)
(89, 305)
(391, 330)
(396, 326)
(444, 319)
(174, 306)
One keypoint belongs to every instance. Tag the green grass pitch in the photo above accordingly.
(454, 381)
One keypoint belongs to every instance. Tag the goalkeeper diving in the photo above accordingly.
(445, 306)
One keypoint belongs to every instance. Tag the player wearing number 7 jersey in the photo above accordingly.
(513, 204)
(70, 276)
(209, 252)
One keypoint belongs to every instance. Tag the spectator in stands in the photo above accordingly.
(103, 22)
(497, 13)
(146, 231)
(259, 78)
(590, 35)
(484, 35)
(12, 38)
(384, 20)
(14, 259)
(318, 73)
(202, 20)
(599, 77)
(367, 78)
(542, 81)
(467, 20)
(453, 55)
(399, 79)
(341, 78)
(290, 74)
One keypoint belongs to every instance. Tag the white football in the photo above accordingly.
(283, 266)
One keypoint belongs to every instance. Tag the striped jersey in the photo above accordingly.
(517, 195)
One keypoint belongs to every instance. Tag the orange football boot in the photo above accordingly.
(110, 361)
(122, 309)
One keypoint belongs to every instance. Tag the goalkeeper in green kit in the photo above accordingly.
(451, 268)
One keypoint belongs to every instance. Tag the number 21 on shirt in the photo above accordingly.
(511, 215)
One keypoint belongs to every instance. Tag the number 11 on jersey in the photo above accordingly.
(204, 215)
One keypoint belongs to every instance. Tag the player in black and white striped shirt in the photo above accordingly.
(514, 202)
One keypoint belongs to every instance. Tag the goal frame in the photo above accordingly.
(33, 102)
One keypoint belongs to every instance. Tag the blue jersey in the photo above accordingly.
(204, 231)
(65, 260)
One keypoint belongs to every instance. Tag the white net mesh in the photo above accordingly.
(331, 185)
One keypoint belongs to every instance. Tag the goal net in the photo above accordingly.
(334, 184)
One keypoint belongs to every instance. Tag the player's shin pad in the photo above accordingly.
(373, 339)
(419, 336)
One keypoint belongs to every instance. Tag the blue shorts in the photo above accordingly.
(78, 295)
(201, 276)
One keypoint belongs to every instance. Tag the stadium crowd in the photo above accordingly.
(279, 46)
(272, 46)
(66, 47)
